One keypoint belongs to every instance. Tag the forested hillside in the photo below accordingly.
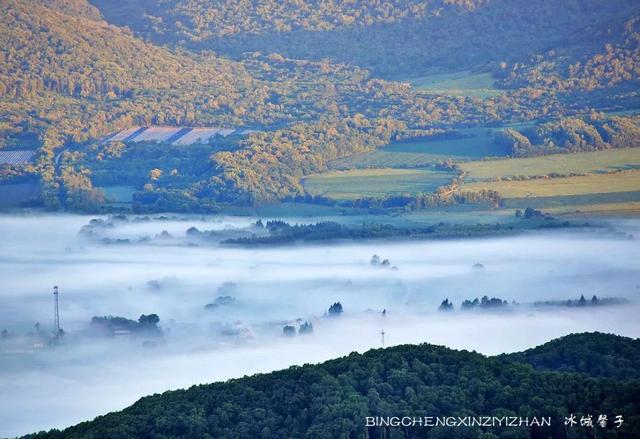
(594, 354)
(611, 57)
(392, 38)
(84, 74)
(332, 399)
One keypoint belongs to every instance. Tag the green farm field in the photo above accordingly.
(14, 195)
(622, 182)
(578, 163)
(119, 194)
(362, 183)
(478, 143)
(469, 84)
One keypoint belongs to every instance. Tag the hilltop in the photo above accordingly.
(332, 399)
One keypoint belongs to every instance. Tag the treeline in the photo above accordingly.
(448, 195)
(572, 135)
(147, 324)
(444, 196)
(595, 354)
(280, 232)
(333, 399)
(222, 18)
(612, 59)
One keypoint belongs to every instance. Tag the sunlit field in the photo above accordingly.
(458, 84)
(375, 182)
(621, 182)
(564, 164)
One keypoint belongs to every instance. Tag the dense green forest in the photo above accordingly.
(596, 355)
(334, 398)
(390, 37)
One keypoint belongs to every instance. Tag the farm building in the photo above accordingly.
(125, 135)
(16, 157)
(173, 135)
(201, 135)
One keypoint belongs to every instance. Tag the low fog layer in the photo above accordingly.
(253, 293)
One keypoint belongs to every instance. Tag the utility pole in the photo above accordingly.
(382, 334)
(56, 312)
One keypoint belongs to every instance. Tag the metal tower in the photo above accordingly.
(382, 333)
(56, 312)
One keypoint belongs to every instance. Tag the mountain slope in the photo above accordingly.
(391, 37)
(332, 399)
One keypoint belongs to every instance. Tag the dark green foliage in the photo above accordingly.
(530, 212)
(281, 232)
(149, 321)
(305, 328)
(335, 309)
(289, 331)
(402, 37)
(578, 69)
(582, 302)
(446, 305)
(568, 135)
(108, 325)
(221, 301)
(332, 399)
(484, 303)
(594, 354)
(113, 323)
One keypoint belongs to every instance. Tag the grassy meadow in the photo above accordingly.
(593, 162)
(377, 182)
(477, 143)
(608, 180)
(469, 84)
(119, 194)
(611, 181)
(570, 186)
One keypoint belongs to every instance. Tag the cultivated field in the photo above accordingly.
(174, 135)
(360, 183)
(621, 182)
(578, 163)
(466, 83)
(17, 157)
(610, 180)
(479, 143)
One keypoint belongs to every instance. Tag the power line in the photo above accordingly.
(56, 312)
